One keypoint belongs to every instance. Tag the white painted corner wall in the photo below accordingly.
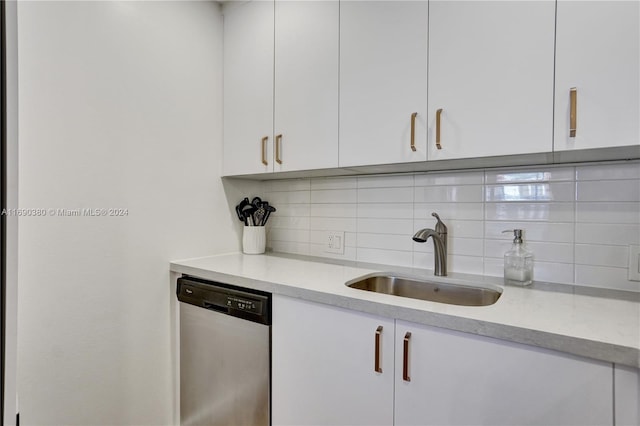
(120, 107)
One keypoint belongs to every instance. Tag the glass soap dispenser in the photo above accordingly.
(518, 262)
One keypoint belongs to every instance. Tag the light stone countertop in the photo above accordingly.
(594, 323)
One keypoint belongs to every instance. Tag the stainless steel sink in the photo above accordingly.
(453, 294)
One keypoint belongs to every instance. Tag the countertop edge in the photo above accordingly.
(597, 350)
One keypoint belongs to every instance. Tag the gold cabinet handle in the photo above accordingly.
(264, 150)
(413, 131)
(438, 114)
(573, 113)
(278, 143)
(377, 368)
(405, 358)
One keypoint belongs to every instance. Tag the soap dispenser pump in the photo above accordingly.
(518, 262)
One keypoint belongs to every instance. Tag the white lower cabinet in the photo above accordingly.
(323, 366)
(324, 361)
(464, 379)
(627, 392)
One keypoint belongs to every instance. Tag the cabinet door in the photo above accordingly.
(597, 54)
(463, 379)
(323, 366)
(491, 74)
(248, 87)
(627, 393)
(383, 68)
(306, 85)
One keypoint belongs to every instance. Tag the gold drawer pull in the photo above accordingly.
(438, 114)
(264, 150)
(413, 131)
(573, 113)
(278, 147)
(376, 366)
(405, 358)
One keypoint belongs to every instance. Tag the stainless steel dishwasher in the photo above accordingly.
(225, 354)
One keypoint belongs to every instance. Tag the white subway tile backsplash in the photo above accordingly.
(533, 231)
(615, 171)
(578, 220)
(385, 195)
(289, 222)
(333, 196)
(396, 210)
(464, 228)
(602, 255)
(529, 175)
(607, 233)
(289, 247)
(384, 241)
(333, 183)
(333, 210)
(544, 212)
(450, 211)
(456, 228)
(386, 257)
(542, 251)
(466, 264)
(333, 224)
(277, 198)
(320, 237)
(284, 210)
(386, 181)
(542, 271)
(287, 185)
(319, 250)
(291, 235)
(494, 267)
(448, 193)
(603, 276)
(462, 264)
(612, 212)
(455, 246)
(386, 226)
(553, 272)
(609, 190)
(546, 192)
(460, 178)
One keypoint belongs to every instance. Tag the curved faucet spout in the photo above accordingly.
(439, 250)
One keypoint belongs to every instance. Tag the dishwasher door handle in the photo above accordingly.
(213, 307)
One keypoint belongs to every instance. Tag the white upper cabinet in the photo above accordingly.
(383, 68)
(306, 85)
(597, 53)
(248, 88)
(462, 379)
(491, 75)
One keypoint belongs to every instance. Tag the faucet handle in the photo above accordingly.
(441, 228)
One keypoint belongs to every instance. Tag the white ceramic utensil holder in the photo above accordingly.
(254, 240)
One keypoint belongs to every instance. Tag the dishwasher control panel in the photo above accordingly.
(244, 303)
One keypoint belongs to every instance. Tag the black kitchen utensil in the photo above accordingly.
(269, 209)
(239, 213)
(258, 216)
(256, 202)
(248, 214)
(239, 210)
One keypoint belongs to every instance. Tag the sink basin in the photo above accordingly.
(453, 294)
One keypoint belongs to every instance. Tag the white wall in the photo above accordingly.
(11, 295)
(120, 107)
(579, 220)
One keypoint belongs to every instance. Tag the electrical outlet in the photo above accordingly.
(634, 263)
(334, 242)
